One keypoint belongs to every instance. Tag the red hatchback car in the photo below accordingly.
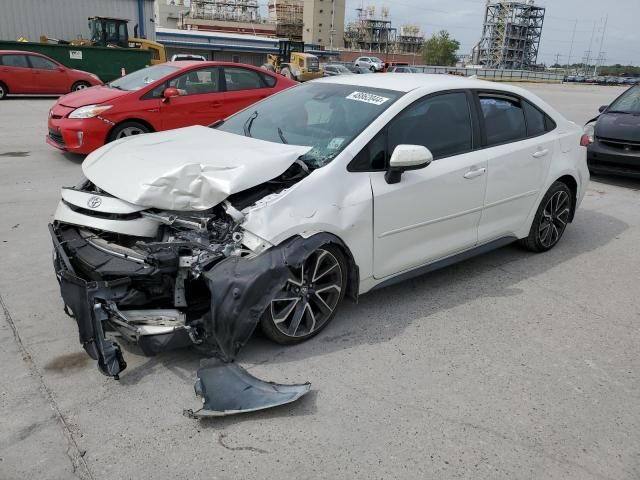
(28, 72)
(160, 97)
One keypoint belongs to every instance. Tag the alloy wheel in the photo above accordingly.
(129, 131)
(310, 297)
(81, 86)
(554, 219)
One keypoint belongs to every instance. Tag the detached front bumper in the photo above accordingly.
(94, 304)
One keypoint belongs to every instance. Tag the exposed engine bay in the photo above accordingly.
(200, 279)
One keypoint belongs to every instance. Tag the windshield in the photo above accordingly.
(342, 69)
(324, 116)
(142, 78)
(376, 60)
(629, 102)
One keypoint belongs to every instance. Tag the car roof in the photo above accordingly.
(22, 52)
(406, 83)
(183, 64)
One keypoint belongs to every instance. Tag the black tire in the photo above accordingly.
(316, 287)
(80, 86)
(373, 69)
(3, 91)
(551, 219)
(126, 129)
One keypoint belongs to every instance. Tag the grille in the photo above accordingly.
(620, 144)
(56, 136)
(313, 64)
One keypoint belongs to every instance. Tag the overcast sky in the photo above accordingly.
(463, 19)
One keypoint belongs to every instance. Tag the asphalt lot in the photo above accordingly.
(508, 366)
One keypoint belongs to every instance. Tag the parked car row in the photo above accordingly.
(603, 80)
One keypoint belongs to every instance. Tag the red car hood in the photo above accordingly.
(91, 96)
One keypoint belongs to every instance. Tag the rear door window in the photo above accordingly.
(238, 78)
(14, 61)
(41, 63)
(503, 119)
(196, 82)
(536, 123)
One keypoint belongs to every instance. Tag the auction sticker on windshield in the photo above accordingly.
(367, 98)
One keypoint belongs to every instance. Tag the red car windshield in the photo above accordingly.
(142, 78)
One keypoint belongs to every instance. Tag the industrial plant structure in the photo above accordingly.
(375, 33)
(287, 16)
(510, 35)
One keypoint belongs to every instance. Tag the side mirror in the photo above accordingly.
(61, 69)
(603, 108)
(170, 92)
(407, 157)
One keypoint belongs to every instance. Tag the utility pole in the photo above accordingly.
(604, 30)
(557, 59)
(571, 48)
(588, 52)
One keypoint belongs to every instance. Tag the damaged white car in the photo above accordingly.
(196, 236)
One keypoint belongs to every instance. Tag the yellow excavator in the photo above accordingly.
(292, 62)
(113, 32)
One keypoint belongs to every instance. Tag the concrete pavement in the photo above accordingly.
(508, 366)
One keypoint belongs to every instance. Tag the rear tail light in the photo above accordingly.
(586, 140)
(588, 135)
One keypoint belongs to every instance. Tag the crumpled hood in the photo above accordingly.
(192, 168)
(619, 126)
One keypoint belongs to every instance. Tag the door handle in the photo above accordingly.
(540, 153)
(216, 104)
(476, 172)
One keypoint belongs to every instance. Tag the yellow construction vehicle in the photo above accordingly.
(292, 62)
(112, 32)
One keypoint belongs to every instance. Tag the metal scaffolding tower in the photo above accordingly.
(287, 15)
(510, 35)
(226, 10)
(370, 32)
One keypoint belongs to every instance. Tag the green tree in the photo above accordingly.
(440, 49)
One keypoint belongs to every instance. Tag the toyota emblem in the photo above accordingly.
(94, 202)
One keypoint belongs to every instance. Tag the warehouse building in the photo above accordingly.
(67, 19)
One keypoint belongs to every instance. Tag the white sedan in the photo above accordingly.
(331, 188)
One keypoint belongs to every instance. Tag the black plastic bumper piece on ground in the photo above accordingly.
(228, 389)
(85, 300)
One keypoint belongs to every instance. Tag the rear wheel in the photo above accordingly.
(79, 86)
(551, 219)
(309, 300)
(128, 129)
(3, 90)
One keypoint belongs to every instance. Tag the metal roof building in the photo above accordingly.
(67, 19)
(231, 47)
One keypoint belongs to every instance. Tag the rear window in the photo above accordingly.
(14, 61)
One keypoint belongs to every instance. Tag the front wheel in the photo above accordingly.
(309, 300)
(127, 129)
(551, 219)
